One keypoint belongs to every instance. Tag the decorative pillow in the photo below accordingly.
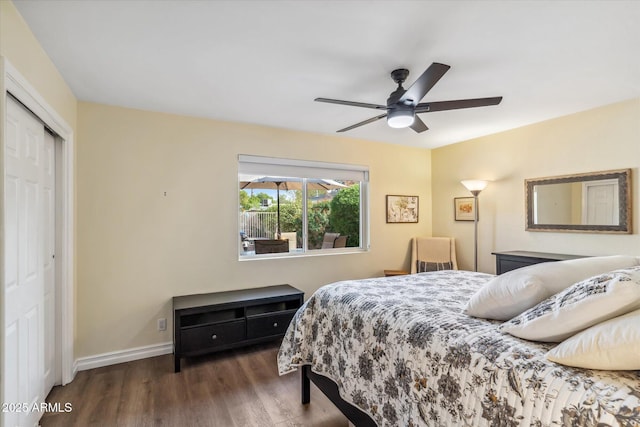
(613, 345)
(511, 293)
(578, 307)
(423, 266)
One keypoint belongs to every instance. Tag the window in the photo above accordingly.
(293, 207)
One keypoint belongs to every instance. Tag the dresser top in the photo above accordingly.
(539, 255)
(241, 295)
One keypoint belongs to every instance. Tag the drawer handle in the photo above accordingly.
(214, 336)
(275, 324)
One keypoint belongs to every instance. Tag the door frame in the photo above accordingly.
(13, 82)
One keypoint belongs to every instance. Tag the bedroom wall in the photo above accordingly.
(21, 48)
(600, 139)
(137, 248)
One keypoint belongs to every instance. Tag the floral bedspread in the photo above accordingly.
(401, 349)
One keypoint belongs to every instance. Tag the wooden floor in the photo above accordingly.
(234, 388)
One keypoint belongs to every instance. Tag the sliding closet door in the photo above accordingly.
(48, 261)
(23, 293)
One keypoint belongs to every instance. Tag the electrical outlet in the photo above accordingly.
(162, 324)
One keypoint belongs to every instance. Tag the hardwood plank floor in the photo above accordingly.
(233, 388)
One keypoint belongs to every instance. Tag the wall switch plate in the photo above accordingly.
(162, 324)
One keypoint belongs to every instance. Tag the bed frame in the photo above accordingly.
(330, 389)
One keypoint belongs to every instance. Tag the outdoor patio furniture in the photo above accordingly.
(340, 242)
(329, 240)
(266, 246)
(291, 236)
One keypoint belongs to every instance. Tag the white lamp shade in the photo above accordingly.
(400, 118)
(475, 184)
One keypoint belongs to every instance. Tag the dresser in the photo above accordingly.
(206, 323)
(511, 260)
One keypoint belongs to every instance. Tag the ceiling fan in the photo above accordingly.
(403, 104)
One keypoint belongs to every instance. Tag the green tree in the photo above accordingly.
(317, 222)
(344, 217)
(252, 202)
(291, 220)
(290, 217)
(244, 200)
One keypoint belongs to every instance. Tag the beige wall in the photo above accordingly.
(137, 248)
(20, 47)
(600, 139)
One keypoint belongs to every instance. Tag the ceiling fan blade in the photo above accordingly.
(428, 107)
(423, 84)
(351, 103)
(418, 125)
(366, 122)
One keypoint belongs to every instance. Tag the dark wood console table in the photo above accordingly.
(507, 261)
(206, 323)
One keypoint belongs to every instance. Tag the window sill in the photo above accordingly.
(311, 253)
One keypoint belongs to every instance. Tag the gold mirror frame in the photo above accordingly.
(624, 198)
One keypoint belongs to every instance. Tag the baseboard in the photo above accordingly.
(74, 372)
(115, 357)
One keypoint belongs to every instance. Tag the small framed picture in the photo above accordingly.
(402, 209)
(464, 208)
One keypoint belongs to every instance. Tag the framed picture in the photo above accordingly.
(401, 209)
(464, 208)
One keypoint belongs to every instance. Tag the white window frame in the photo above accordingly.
(304, 169)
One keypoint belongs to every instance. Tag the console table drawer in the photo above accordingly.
(269, 324)
(210, 336)
(505, 265)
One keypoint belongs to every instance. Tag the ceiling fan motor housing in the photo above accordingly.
(399, 114)
(398, 76)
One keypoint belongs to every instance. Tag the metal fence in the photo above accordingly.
(259, 224)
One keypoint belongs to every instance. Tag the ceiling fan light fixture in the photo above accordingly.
(400, 118)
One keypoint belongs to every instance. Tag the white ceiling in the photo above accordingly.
(265, 61)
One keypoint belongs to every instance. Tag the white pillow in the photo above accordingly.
(578, 307)
(613, 345)
(513, 292)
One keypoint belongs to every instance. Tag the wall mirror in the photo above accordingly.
(596, 202)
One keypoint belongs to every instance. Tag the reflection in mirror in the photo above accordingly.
(592, 202)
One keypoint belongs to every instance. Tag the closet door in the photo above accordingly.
(23, 292)
(48, 261)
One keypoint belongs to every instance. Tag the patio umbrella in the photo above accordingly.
(278, 183)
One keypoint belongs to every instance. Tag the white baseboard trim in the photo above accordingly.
(121, 356)
(74, 371)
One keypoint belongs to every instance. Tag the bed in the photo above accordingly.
(399, 351)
